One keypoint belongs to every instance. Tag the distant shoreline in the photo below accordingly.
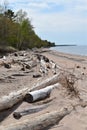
(65, 45)
(71, 49)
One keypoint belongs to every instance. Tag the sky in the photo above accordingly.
(59, 21)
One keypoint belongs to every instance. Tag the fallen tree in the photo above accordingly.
(13, 98)
(40, 94)
(44, 121)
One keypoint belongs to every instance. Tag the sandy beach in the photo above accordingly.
(15, 78)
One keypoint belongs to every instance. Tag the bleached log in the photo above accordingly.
(53, 66)
(40, 94)
(43, 67)
(44, 121)
(29, 110)
(13, 98)
(47, 82)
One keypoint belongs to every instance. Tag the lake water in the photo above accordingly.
(78, 50)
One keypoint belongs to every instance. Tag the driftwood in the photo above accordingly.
(13, 98)
(29, 65)
(6, 65)
(29, 71)
(40, 94)
(6, 79)
(42, 122)
(46, 82)
(29, 110)
(19, 74)
(37, 75)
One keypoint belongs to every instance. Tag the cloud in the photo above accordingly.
(54, 16)
(69, 19)
(59, 23)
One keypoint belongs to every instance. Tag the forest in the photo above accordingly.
(16, 31)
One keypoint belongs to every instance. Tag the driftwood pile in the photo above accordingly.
(27, 60)
(30, 95)
(40, 91)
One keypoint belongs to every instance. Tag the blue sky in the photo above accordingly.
(59, 21)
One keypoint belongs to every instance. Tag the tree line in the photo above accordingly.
(17, 31)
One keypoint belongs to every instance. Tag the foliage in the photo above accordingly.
(16, 30)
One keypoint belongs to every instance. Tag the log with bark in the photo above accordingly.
(40, 94)
(29, 110)
(12, 99)
(42, 122)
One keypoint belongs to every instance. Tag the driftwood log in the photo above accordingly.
(46, 82)
(13, 98)
(29, 110)
(40, 94)
(42, 122)
(36, 75)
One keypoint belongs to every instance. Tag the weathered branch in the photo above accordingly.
(29, 110)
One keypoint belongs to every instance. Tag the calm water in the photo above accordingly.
(78, 50)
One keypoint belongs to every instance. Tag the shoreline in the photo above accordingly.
(73, 50)
(69, 56)
(66, 45)
(65, 57)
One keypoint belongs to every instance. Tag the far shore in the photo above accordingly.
(65, 45)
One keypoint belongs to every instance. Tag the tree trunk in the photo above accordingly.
(42, 122)
(13, 98)
(40, 94)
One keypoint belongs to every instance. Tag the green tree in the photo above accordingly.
(25, 29)
(10, 14)
(16, 30)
